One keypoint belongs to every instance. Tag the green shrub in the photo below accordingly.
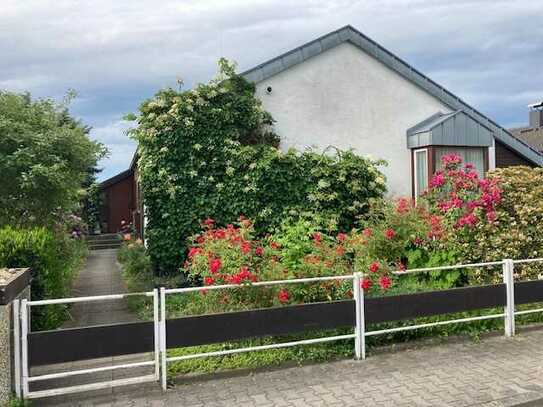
(46, 155)
(516, 232)
(54, 260)
(133, 257)
(207, 153)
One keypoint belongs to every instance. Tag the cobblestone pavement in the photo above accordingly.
(494, 372)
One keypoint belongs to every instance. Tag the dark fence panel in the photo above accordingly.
(528, 291)
(67, 345)
(408, 306)
(216, 328)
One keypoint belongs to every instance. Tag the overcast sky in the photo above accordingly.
(116, 53)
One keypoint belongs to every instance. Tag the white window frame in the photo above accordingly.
(415, 178)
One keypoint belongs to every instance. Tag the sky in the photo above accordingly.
(117, 53)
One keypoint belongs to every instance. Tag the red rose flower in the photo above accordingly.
(220, 234)
(283, 296)
(209, 280)
(341, 237)
(245, 247)
(193, 251)
(209, 222)
(366, 284)
(385, 282)
(374, 267)
(317, 237)
(390, 234)
(215, 265)
(259, 251)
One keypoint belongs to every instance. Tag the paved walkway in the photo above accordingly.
(100, 276)
(494, 372)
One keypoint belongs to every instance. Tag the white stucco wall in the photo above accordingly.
(347, 99)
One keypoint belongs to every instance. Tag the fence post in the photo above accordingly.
(509, 309)
(17, 345)
(162, 335)
(360, 337)
(24, 346)
(156, 325)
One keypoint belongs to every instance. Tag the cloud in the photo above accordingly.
(121, 147)
(117, 53)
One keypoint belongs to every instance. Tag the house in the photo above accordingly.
(533, 134)
(345, 90)
(121, 201)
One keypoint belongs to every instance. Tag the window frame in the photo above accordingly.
(415, 178)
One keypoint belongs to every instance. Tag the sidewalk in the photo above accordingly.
(494, 372)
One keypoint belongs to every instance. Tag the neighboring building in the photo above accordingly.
(345, 90)
(121, 201)
(533, 134)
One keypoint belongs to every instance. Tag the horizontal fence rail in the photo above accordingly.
(75, 344)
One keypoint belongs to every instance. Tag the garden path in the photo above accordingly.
(496, 371)
(100, 276)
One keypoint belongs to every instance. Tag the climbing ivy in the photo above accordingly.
(211, 152)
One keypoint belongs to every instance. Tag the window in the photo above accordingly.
(472, 155)
(421, 171)
(426, 161)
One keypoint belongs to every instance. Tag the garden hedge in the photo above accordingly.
(54, 260)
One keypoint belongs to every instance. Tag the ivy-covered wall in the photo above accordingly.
(209, 152)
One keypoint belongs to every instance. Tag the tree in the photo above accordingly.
(45, 159)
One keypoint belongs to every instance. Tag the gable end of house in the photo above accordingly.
(351, 35)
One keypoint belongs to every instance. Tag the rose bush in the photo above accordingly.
(232, 255)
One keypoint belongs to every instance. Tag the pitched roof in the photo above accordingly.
(449, 129)
(531, 136)
(116, 178)
(431, 122)
(355, 37)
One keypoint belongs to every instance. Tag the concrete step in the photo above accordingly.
(99, 242)
(105, 236)
(104, 246)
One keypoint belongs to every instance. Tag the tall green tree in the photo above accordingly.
(45, 159)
